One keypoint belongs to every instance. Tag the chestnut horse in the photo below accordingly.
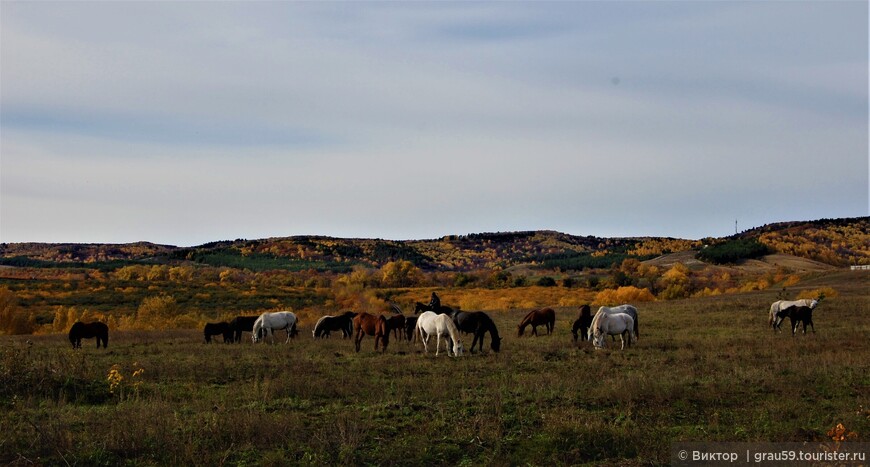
(366, 323)
(535, 318)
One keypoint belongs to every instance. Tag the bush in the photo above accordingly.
(546, 281)
(629, 294)
(733, 251)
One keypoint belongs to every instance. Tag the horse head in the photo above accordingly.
(496, 344)
(597, 338)
(458, 348)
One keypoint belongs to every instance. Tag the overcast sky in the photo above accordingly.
(188, 122)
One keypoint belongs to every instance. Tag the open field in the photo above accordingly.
(704, 369)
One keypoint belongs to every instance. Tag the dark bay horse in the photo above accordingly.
(582, 323)
(81, 330)
(410, 327)
(366, 323)
(797, 315)
(442, 310)
(241, 324)
(478, 323)
(342, 322)
(535, 318)
(396, 324)
(214, 329)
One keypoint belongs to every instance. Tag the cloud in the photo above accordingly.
(189, 122)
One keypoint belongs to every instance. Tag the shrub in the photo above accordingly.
(546, 281)
(622, 295)
(733, 251)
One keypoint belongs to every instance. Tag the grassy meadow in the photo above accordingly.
(704, 369)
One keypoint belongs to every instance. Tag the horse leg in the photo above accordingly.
(357, 341)
(425, 339)
(437, 343)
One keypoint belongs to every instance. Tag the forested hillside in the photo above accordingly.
(839, 242)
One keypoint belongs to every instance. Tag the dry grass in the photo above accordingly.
(704, 369)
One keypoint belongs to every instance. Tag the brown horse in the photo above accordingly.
(582, 324)
(365, 323)
(535, 318)
(396, 323)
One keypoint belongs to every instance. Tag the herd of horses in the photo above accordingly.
(447, 323)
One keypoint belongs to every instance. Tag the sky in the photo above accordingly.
(188, 122)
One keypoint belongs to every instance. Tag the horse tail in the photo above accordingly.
(384, 330)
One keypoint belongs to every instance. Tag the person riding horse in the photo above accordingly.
(435, 302)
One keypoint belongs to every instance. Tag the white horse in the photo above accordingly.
(441, 325)
(780, 305)
(627, 309)
(604, 324)
(271, 322)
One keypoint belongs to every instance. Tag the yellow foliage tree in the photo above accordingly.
(13, 321)
(400, 274)
(626, 294)
(156, 312)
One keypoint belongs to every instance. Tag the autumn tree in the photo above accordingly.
(400, 274)
(156, 312)
(12, 320)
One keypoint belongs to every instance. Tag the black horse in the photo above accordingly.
(221, 328)
(582, 324)
(410, 327)
(797, 315)
(241, 324)
(342, 322)
(441, 310)
(81, 330)
(478, 323)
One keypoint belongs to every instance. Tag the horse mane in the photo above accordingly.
(528, 319)
(318, 324)
(490, 325)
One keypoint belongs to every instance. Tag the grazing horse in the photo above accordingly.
(268, 323)
(535, 318)
(612, 324)
(478, 323)
(442, 310)
(410, 327)
(241, 324)
(328, 323)
(582, 324)
(430, 323)
(627, 309)
(81, 330)
(797, 315)
(214, 329)
(781, 305)
(366, 323)
(396, 324)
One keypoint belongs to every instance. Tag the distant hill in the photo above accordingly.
(835, 242)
